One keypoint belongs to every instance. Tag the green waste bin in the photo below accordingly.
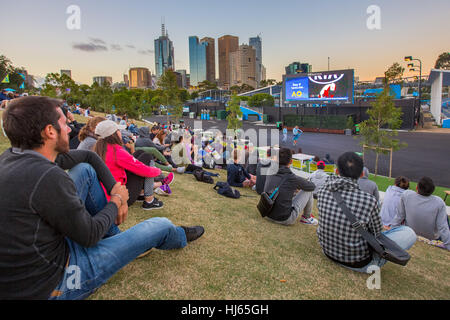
(266, 118)
(221, 115)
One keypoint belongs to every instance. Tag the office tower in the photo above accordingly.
(183, 77)
(256, 43)
(297, 67)
(67, 72)
(263, 73)
(227, 45)
(197, 60)
(126, 80)
(101, 80)
(164, 53)
(140, 78)
(243, 67)
(210, 59)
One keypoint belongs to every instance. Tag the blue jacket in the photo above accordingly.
(236, 175)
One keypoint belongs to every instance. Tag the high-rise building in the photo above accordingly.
(297, 67)
(243, 67)
(101, 80)
(126, 80)
(197, 60)
(227, 45)
(164, 53)
(140, 78)
(183, 77)
(210, 58)
(256, 43)
(263, 73)
(67, 72)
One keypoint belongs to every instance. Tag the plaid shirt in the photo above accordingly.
(337, 237)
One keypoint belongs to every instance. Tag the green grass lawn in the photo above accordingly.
(242, 256)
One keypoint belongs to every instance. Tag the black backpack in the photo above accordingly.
(224, 189)
(201, 176)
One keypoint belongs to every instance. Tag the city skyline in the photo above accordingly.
(116, 36)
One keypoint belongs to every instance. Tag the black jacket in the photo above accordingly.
(283, 204)
(236, 174)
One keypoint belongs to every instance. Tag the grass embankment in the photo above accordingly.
(242, 256)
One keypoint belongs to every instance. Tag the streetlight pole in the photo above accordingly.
(410, 58)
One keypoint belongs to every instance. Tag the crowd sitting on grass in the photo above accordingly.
(73, 218)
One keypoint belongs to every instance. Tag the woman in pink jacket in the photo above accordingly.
(133, 172)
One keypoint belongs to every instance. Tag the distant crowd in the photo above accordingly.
(73, 184)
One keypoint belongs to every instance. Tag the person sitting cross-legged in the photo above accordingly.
(339, 240)
(295, 197)
(425, 213)
(237, 176)
(367, 185)
(58, 234)
(392, 199)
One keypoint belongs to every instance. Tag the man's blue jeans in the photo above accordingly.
(89, 268)
(404, 236)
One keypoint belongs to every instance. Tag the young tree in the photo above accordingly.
(234, 109)
(383, 115)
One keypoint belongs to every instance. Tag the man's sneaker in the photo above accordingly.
(155, 204)
(181, 169)
(312, 221)
(169, 179)
(193, 233)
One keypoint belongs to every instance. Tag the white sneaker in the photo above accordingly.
(181, 169)
(311, 221)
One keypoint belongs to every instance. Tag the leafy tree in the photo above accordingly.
(170, 94)
(207, 85)
(383, 115)
(261, 100)
(443, 61)
(234, 111)
(15, 80)
(394, 74)
(268, 82)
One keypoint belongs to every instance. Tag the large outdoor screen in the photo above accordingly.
(319, 86)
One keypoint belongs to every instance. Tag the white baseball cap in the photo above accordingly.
(107, 128)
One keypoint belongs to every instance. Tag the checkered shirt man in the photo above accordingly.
(338, 239)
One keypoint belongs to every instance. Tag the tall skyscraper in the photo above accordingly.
(197, 60)
(210, 58)
(256, 43)
(227, 44)
(243, 67)
(140, 78)
(164, 53)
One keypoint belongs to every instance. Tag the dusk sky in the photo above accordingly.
(120, 34)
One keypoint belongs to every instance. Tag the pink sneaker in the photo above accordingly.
(169, 179)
